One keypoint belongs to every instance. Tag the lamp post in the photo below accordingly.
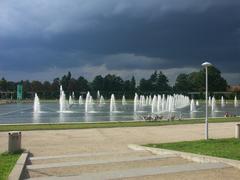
(206, 65)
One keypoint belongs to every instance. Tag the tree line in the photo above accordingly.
(157, 83)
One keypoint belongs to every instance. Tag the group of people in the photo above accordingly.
(152, 117)
(159, 117)
(227, 114)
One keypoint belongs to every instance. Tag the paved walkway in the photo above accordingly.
(103, 153)
(45, 143)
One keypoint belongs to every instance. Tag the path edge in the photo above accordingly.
(189, 156)
(18, 169)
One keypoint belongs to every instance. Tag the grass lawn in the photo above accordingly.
(7, 162)
(59, 126)
(225, 148)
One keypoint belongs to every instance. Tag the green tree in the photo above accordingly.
(182, 84)
(216, 81)
(98, 83)
(55, 88)
(162, 83)
(37, 87)
(83, 85)
(145, 86)
(3, 84)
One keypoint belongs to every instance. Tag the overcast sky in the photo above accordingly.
(43, 39)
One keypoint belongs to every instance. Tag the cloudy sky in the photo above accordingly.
(43, 39)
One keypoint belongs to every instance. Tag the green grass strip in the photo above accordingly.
(56, 126)
(225, 148)
(7, 162)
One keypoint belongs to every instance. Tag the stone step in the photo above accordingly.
(79, 155)
(138, 172)
(93, 162)
(85, 157)
(114, 166)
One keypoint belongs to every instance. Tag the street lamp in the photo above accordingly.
(206, 65)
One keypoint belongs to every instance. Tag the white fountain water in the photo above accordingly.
(147, 101)
(192, 106)
(91, 100)
(197, 103)
(98, 95)
(62, 100)
(154, 104)
(88, 103)
(214, 105)
(150, 100)
(209, 101)
(113, 107)
(70, 101)
(235, 101)
(142, 101)
(73, 97)
(136, 103)
(101, 101)
(168, 103)
(124, 102)
(171, 103)
(159, 103)
(163, 102)
(222, 102)
(36, 104)
(80, 101)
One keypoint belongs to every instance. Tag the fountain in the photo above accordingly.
(124, 102)
(73, 97)
(154, 104)
(214, 106)
(98, 95)
(162, 107)
(222, 102)
(171, 104)
(136, 103)
(209, 101)
(62, 100)
(88, 103)
(192, 106)
(150, 100)
(235, 102)
(36, 105)
(80, 101)
(142, 101)
(70, 101)
(101, 101)
(147, 101)
(197, 103)
(163, 102)
(159, 103)
(113, 107)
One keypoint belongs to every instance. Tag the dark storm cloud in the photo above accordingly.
(120, 34)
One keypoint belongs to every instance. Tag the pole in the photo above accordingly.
(206, 121)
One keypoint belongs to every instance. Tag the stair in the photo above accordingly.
(111, 165)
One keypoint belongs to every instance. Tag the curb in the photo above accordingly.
(17, 171)
(189, 156)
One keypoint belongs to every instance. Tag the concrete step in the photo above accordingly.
(104, 167)
(87, 156)
(94, 162)
(139, 172)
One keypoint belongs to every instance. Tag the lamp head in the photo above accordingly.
(206, 64)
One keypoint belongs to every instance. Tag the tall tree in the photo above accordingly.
(162, 83)
(3, 84)
(216, 81)
(98, 83)
(182, 84)
(83, 85)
